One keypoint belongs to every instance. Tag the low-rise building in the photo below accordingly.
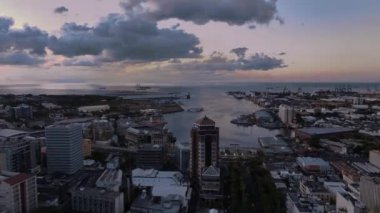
(96, 200)
(374, 157)
(163, 184)
(307, 134)
(274, 147)
(110, 179)
(349, 174)
(346, 203)
(314, 189)
(95, 108)
(135, 136)
(23, 111)
(313, 165)
(299, 204)
(145, 202)
(102, 130)
(369, 193)
(87, 147)
(366, 168)
(150, 156)
(337, 147)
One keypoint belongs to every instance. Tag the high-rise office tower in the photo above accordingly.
(18, 154)
(182, 156)
(204, 146)
(64, 148)
(18, 192)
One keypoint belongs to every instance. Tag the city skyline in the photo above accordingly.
(195, 42)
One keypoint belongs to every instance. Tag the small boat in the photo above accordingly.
(195, 109)
(139, 87)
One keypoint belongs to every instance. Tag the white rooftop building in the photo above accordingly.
(110, 179)
(163, 183)
(95, 108)
(313, 164)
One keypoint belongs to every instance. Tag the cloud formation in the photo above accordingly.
(61, 10)
(25, 46)
(233, 12)
(19, 58)
(28, 38)
(81, 62)
(239, 52)
(135, 36)
(219, 62)
(118, 38)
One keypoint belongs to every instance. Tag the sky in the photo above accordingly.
(188, 42)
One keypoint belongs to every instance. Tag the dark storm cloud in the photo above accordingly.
(233, 12)
(76, 40)
(239, 52)
(61, 9)
(27, 38)
(219, 62)
(19, 58)
(117, 38)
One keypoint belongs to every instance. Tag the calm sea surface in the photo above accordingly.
(216, 103)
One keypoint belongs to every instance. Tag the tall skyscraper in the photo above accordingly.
(286, 114)
(18, 192)
(182, 156)
(64, 148)
(204, 146)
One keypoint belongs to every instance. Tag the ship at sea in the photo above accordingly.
(195, 109)
(139, 87)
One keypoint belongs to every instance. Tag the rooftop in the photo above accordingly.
(183, 145)
(76, 120)
(13, 178)
(312, 161)
(96, 192)
(325, 131)
(274, 145)
(366, 167)
(205, 121)
(167, 204)
(163, 183)
(211, 171)
(6, 133)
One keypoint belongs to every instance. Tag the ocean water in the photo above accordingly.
(221, 108)
(213, 98)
